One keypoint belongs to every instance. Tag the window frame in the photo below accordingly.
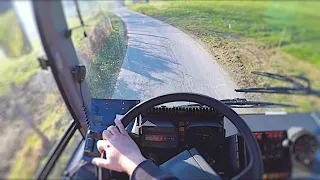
(62, 59)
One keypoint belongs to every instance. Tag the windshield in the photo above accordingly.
(209, 47)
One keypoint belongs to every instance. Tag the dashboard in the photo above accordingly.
(166, 132)
(163, 132)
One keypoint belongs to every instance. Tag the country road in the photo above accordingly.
(162, 59)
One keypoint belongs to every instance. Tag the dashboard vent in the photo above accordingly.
(183, 111)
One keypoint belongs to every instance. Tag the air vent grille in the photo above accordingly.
(183, 111)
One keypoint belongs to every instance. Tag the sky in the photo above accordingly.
(24, 11)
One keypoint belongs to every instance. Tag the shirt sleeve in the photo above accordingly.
(148, 170)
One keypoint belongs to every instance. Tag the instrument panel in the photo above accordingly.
(277, 148)
(165, 132)
(275, 153)
(160, 144)
(304, 149)
(158, 134)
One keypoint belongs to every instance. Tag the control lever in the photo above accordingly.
(103, 173)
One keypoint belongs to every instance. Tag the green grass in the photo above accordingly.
(103, 65)
(294, 25)
(109, 61)
(275, 36)
(33, 154)
(128, 2)
(14, 68)
(26, 159)
(77, 34)
(10, 31)
(18, 70)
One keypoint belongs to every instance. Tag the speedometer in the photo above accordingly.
(304, 148)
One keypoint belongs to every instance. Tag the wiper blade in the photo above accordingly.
(297, 87)
(244, 103)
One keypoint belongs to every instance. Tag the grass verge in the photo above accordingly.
(104, 60)
(279, 37)
(34, 151)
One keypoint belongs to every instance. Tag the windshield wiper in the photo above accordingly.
(244, 103)
(300, 85)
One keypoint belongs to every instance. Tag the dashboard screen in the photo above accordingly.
(159, 138)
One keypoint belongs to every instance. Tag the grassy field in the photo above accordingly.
(280, 37)
(104, 62)
(33, 154)
(15, 69)
(12, 33)
(294, 25)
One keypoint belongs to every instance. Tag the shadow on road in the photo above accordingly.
(145, 63)
(146, 58)
(123, 91)
(147, 35)
(152, 44)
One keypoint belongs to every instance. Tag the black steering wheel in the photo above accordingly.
(254, 170)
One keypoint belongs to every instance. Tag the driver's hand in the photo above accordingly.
(122, 154)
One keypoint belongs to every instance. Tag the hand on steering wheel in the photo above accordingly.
(122, 154)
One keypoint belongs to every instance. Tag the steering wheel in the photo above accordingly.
(254, 170)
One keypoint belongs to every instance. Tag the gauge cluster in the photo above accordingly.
(160, 144)
(304, 149)
(165, 132)
(304, 145)
(162, 137)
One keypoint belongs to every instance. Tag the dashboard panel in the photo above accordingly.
(164, 132)
(208, 136)
(276, 155)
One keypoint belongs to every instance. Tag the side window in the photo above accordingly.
(66, 157)
(33, 114)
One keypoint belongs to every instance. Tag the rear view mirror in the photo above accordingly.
(13, 39)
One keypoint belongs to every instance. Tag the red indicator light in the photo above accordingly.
(258, 135)
(161, 138)
(274, 134)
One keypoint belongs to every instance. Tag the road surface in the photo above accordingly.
(162, 59)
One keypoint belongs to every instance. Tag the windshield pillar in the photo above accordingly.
(62, 58)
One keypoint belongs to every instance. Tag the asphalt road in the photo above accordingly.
(162, 59)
